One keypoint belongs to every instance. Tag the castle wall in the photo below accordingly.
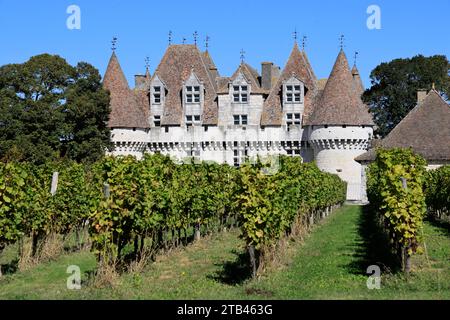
(335, 148)
(129, 142)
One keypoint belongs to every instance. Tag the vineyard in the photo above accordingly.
(134, 209)
(400, 190)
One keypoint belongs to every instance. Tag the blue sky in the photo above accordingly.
(262, 28)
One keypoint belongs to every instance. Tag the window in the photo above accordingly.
(157, 95)
(157, 121)
(292, 149)
(293, 119)
(193, 120)
(192, 94)
(240, 94)
(239, 154)
(240, 119)
(293, 93)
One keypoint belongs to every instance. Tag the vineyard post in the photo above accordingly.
(251, 251)
(106, 191)
(406, 255)
(54, 186)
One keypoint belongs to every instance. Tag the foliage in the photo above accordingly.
(394, 87)
(401, 206)
(270, 205)
(154, 200)
(437, 191)
(49, 109)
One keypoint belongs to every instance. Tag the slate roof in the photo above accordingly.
(127, 110)
(426, 129)
(340, 103)
(174, 69)
(298, 66)
(357, 82)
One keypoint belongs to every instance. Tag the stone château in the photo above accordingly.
(187, 109)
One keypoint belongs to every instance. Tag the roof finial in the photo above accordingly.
(184, 40)
(207, 42)
(242, 55)
(195, 37)
(170, 37)
(147, 63)
(355, 57)
(304, 42)
(341, 40)
(114, 44)
(295, 34)
(433, 86)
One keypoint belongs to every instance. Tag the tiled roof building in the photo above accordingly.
(186, 109)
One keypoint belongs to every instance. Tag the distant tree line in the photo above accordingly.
(50, 109)
(395, 84)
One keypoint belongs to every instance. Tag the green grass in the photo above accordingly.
(329, 264)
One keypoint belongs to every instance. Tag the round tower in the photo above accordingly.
(341, 128)
(128, 121)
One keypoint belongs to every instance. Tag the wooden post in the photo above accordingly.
(197, 235)
(106, 191)
(251, 251)
(406, 256)
(54, 186)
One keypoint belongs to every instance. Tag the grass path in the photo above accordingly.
(330, 264)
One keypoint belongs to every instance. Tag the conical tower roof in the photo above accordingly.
(340, 104)
(125, 111)
(357, 82)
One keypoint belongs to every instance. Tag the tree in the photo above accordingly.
(49, 109)
(395, 84)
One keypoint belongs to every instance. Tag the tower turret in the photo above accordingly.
(341, 128)
(128, 120)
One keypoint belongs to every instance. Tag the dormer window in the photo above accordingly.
(192, 94)
(293, 91)
(157, 92)
(240, 94)
(157, 95)
(240, 89)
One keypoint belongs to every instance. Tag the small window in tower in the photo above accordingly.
(236, 119)
(244, 119)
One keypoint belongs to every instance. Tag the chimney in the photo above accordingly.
(266, 75)
(139, 81)
(421, 94)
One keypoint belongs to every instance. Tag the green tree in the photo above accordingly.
(394, 87)
(49, 109)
